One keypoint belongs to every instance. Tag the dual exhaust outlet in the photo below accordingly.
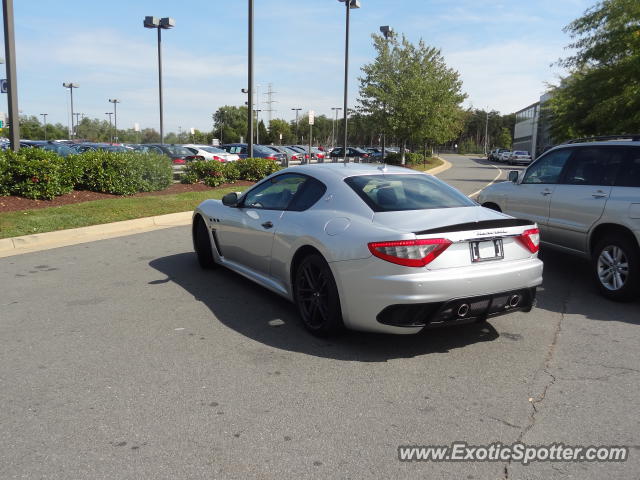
(513, 302)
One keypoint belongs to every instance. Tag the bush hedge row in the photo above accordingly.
(216, 173)
(41, 174)
(410, 158)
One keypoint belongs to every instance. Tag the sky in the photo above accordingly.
(503, 50)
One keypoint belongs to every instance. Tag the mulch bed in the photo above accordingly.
(12, 203)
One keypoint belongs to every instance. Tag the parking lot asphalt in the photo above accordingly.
(122, 359)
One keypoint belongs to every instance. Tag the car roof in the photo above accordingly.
(608, 143)
(342, 170)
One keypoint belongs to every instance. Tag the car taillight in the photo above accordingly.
(530, 239)
(294, 157)
(320, 155)
(410, 253)
(306, 156)
(179, 161)
(218, 159)
(194, 157)
(271, 158)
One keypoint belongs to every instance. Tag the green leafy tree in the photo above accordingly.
(230, 124)
(410, 92)
(602, 93)
(279, 127)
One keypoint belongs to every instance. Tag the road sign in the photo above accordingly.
(4, 85)
(312, 117)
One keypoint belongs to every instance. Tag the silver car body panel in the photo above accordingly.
(340, 225)
(567, 215)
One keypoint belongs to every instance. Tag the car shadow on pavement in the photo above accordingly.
(569, 288)
(265, 317)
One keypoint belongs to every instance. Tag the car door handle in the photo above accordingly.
(545, 192)
(599, 194)
(267, 225)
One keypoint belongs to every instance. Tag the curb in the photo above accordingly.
(445, 166)
(74, 236)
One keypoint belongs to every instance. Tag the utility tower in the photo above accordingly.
(270, 101)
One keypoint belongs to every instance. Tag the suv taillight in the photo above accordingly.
(530, 239)
(410, 253)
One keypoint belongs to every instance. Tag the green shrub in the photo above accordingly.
(410, 158)
(34, 173)
(254, 169)
(6, 178)
(124, 173)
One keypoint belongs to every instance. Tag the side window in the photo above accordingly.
(155, 149)
(308, 195)
(548, 168)
(629, 175)
(274, 194)
(593, 166)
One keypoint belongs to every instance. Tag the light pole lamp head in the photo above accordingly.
(151, 22)
(352, 3)
(386, 31)
(70, 85)
(167, 22)
(114, 100)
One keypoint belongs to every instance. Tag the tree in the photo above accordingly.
(601, 95)
(409, 91)
(230, 124)
(279, 127)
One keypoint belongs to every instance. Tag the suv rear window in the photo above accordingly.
(396, 192)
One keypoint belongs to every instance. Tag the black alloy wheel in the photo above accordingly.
(316, 296)
(202, 244)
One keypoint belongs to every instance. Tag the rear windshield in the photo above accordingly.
(520, 153)
(391, 193)
(178, 151)
(213, 150)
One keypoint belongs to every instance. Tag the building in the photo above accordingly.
(532, 129)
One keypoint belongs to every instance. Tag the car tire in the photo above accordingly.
(316, 296)
(616, 268)
(202, 244)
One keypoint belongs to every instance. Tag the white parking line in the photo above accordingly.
(488, 184)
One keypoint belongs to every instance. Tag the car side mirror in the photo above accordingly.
(513, 176)
(230, 199)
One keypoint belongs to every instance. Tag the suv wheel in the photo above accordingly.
(616, 266)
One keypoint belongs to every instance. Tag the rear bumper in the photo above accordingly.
(369, 286)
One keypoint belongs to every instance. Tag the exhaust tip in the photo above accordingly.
(463, 310)
(514, 301)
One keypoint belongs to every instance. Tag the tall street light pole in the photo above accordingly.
(44, 116)
(12, 80)
(160, 24)
(115, 102)
(486, 132)
(387, 32)
(71, 86)
(349, 4)
(110, 128)
(333, 128)
(250, 82)
(297, 110)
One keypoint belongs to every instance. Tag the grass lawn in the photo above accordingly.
(25, 222)
(432, 162)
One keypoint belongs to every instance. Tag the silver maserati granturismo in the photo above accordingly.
(375, 248)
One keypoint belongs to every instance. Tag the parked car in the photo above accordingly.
(60, 148)
(386, 249)
(291, 154)
(352, 152)
(494, 155)
(179, 155)
(301, 150)
(519, 157)
(585, 197)
(85, 147)
(259, 151)
(504, 156)
(207, 152)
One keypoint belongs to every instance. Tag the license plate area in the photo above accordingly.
(486, 250)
